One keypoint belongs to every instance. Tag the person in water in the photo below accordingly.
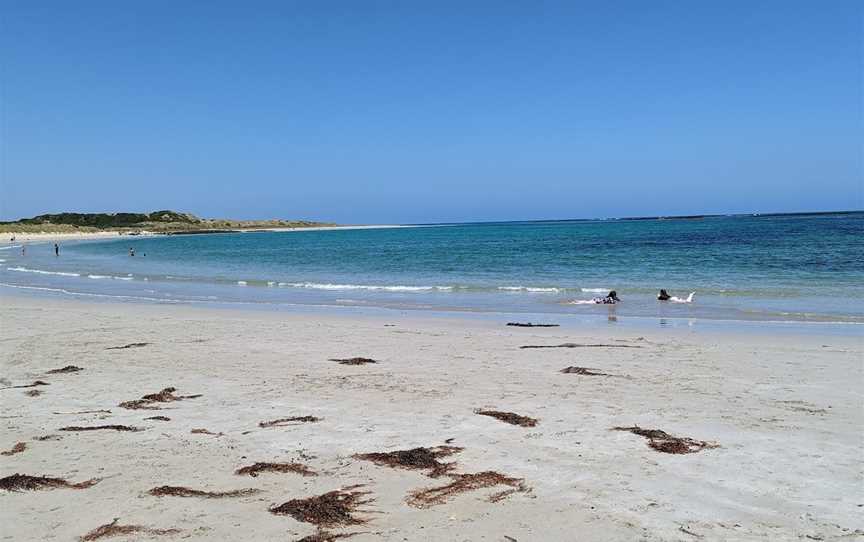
(131, 251)
(610, 299)
(56, 249)
(663, 296)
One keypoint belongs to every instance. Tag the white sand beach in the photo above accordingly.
(785, 412)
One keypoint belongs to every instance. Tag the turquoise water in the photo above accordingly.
(783, 268)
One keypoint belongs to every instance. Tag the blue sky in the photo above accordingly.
(370, 112)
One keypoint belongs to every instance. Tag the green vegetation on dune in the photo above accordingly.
(159, 221)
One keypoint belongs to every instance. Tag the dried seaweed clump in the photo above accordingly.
(462, 483)
(159, 418)
(33, 385)
(180, 491)
(17, 449)
(125, 346)
(25, 482)
(415, 459)
(256, 468)
(582, 371)
(206, 432)
(100, 427)
(529, 324)
(579, 345)
(33, 393)
(353, 361)
(333, 509)
(289, 421)
(67, 369)
(112, 529)
(508, 417)
(668, 444)
(147, 402)
(324, 536)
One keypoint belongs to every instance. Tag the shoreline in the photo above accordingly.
(41, 237)
(634, 323)
(784, 413)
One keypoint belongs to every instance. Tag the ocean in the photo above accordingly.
(789, 268)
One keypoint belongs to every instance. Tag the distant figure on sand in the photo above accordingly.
(56, 249)
(663, 296)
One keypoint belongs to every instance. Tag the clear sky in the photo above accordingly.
(407, 111)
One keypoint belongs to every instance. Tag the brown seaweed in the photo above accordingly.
(17, 449)
(206, 432)
(25, 482)
(578, 345)
(101, 427)
(424, 498)
(159, 418)
(353, 361)
(256, 468)
(33, 393)
(508, 417)
(180, 491)
(125, 346)
(415, 459)
(33, 385)
(669, 444)
(67, 369)
(289, 421)
(582, 371)
(113, 529)
(324, 536)
(147, 401)
(333, 509)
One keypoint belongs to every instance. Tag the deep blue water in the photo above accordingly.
(741, 268)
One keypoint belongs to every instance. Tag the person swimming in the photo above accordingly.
(610, 299)
(663, 296)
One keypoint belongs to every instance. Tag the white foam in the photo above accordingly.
(271, 283)
(42, 272)
(595, 290)
(85, 294)
(320, 286)
(99, 276)
(532, 289)
(241, 283)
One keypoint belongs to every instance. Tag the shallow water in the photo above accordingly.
(779, 268)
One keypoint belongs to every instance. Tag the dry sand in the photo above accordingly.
(786, 412)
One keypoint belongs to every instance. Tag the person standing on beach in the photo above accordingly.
(56, 249)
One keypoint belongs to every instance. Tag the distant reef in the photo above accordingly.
(158, 221)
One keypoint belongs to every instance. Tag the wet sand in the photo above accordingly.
(780, 417)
